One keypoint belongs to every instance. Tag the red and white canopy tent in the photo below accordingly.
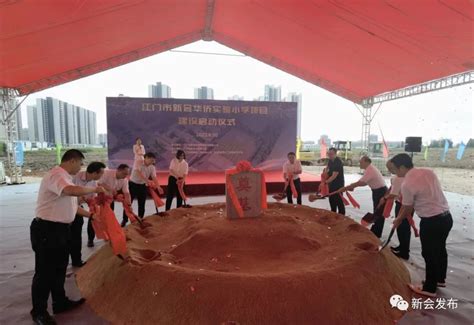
(356, 49)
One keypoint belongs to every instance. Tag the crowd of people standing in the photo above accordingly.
(415, 190)
(56, 229)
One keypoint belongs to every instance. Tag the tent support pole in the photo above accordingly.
(8, 108)
(367, 118)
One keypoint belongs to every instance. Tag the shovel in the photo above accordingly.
(279, 196)
(314, 197)
(388, 239)
(368, 218)
(186, 206)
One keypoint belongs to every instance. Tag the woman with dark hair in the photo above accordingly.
(139, 153)
(291, 172)
(178, 173)
(139, 180)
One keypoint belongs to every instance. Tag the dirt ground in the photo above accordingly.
(281, 262)
(456, 180)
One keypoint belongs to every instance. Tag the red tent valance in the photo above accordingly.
(356, 49)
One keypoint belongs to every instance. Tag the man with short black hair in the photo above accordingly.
(335, 181)
(50, 235)
(292, 168)
(139, 181)
(115, 182)
(87, 178)
(374, 179)
(422, 192)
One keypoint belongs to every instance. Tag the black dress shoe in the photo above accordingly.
(67, 305)
(43, 319)
(393, 248)
(401, 255)
(79, 264)
(439, 284)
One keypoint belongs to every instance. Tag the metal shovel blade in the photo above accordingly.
(369, 218)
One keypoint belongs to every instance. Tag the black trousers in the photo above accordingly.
(171, 192)
(138, 191)
(90, 228)
(336, 203)
(289, 195)
(377, 227)
(403, 232)
(90, 231)
(50, 242)
(433, 234)
(76, 239)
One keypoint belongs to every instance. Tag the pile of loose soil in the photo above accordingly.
(294, 265)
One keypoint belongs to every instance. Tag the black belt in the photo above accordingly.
(444, 214)
(144, 184)
(52, 223)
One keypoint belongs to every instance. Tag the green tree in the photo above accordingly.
(470, 143)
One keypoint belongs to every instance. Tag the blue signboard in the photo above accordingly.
(215, 134)
(19, 157)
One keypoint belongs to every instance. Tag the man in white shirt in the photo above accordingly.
(86, 178)
(292, 167)
(178, 172)
(422, 192)
(139, 181)
(374, 179)
(404, 230)
(56, 208)
(115, 182)
(112, 181)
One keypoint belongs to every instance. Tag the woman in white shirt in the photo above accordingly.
(139, 153)
(292, 167)
(178, 172)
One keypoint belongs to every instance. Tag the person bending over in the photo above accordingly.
(178, 172)
(292, 170)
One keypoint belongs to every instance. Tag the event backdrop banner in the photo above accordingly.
(215, 134)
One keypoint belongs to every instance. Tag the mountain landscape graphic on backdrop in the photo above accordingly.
(215, 134)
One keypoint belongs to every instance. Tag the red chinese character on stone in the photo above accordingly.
(244, 203)
(244, 184)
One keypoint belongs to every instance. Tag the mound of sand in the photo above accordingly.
(294, 265)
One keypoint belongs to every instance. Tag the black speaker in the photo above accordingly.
(413, 144)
